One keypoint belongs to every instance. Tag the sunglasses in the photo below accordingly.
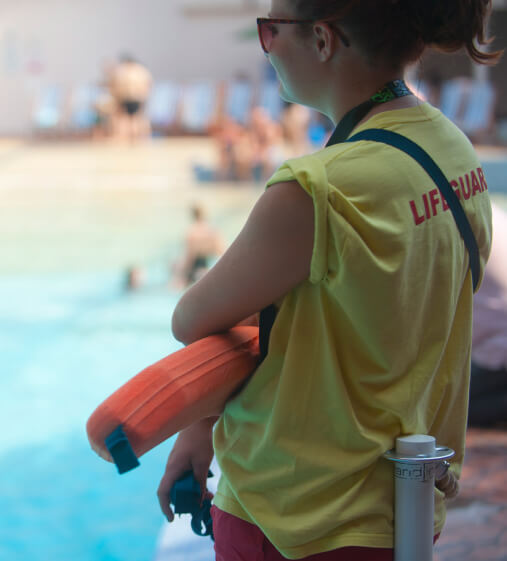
(267, 30)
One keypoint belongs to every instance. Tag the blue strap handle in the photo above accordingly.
(121, 451)
(185, 496)
(424, 159)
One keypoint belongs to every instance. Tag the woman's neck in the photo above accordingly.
(354, 82)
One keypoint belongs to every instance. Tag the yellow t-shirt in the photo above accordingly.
(374, 345)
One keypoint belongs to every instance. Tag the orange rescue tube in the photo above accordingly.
(184, 387)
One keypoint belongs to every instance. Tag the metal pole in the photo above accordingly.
(416, 458)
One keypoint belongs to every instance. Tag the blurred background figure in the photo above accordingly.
(247, 152)
(267, 136)
(296, 122)
(131, 84)
(104, 105)
(135, 278)
(203, 244)
(488, 388)
(105, 111)
(225, 133)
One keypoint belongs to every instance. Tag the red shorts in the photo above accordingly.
(237, 540)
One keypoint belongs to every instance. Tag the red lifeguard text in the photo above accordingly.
(432, 202)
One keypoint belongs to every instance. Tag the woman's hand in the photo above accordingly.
(193, 450)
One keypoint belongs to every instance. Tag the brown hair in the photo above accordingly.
(398, 31)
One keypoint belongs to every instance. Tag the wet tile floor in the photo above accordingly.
(476, 528)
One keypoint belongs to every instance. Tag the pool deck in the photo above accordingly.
(476, 527)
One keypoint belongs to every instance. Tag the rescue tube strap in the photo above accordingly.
(428, 164)
(266, 320)
(185, 495)
(121, 451)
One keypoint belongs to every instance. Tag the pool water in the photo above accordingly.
(72, 219)
(73, 341)
(70, 334)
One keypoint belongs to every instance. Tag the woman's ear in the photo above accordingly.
(324, 40)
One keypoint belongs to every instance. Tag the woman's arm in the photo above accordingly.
(270, 256)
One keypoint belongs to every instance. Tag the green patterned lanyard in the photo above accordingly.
(392, 90)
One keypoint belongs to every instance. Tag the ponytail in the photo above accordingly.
(398, 31)
(452, 25)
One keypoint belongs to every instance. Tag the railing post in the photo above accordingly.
(416, 459)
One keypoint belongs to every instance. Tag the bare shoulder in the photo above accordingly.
(286, 203)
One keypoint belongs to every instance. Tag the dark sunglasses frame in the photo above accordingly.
(264, 21)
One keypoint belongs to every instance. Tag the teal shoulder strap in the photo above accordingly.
(424, 159)
(390, 91)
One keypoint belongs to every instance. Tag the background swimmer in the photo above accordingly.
(202, 244)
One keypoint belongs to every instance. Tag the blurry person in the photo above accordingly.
(202, 244)
(135, 278)
(105, 105)
(251, 152)
(488, 386)
(244, 151)
(226, 133)
(267, 136)
(105, 109)
(131, 84)
(296, 122)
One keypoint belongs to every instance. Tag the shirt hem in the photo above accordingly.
(329, 543)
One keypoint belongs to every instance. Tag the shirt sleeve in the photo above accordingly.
(311, 174)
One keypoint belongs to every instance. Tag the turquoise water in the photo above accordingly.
(73, 217)
(66, 342)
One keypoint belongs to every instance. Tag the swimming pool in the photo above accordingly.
(70, 334)
(73, 341)
(72, 218)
